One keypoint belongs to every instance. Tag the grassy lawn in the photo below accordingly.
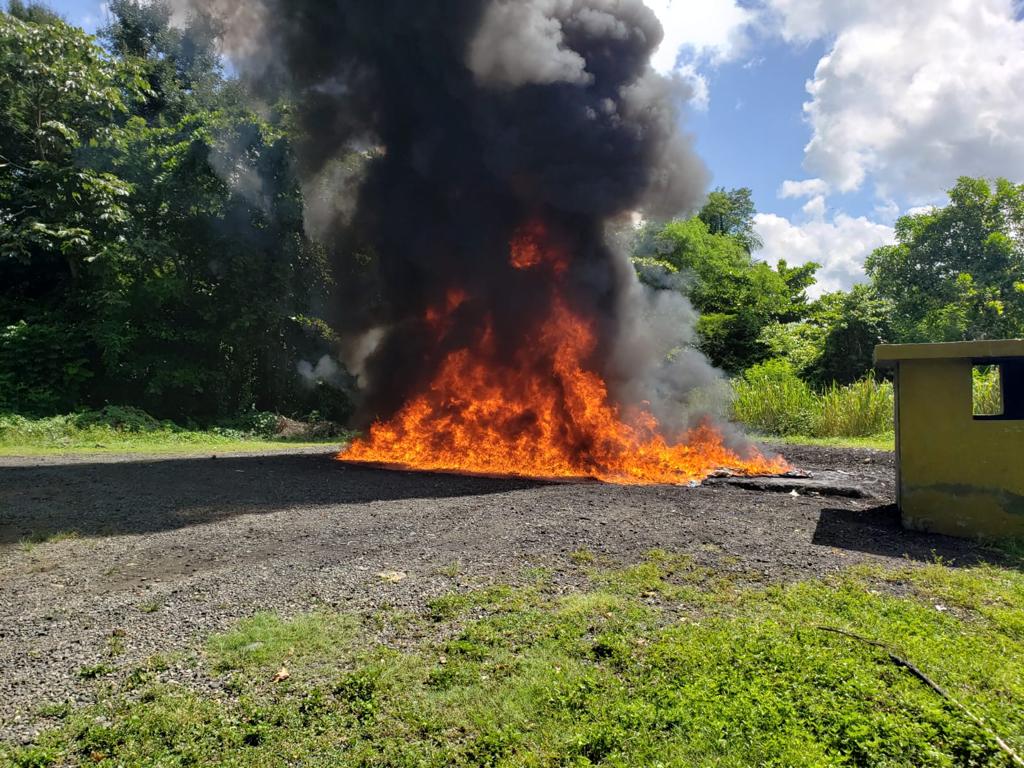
(660, 664)
(122, 430)
(127, 430)
(885, 442)
(174, 443)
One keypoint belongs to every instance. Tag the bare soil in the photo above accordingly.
(168, 550)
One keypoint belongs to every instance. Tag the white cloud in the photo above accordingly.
(815, 207)
(840, 245)
(887, 210)
(708, 29)
(700, 93)
(807, 20)
(913, 93)
(805, 188)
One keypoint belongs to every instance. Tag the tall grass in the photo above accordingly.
(861, 409)
(988, 391)
(773, 400)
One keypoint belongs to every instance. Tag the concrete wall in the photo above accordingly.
(958, 475)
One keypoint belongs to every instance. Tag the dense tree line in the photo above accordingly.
(955, 273)
(152, 248)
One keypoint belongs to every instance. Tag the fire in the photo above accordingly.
(542, 413)
(530, 248)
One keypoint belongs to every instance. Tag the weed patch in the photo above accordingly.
(646, 667)
(117, 429)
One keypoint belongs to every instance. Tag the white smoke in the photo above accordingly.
(325, 371)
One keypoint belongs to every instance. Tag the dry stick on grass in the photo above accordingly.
(901, 662)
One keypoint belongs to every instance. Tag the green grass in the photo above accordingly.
(659, 664)
(886, 442)
(35, 540)
(265, 640)
(772, 399)
(200, 443)
(862, 409)
(133, 432)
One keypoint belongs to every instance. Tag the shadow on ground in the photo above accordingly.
(878, 531)
(772, 530)
(132, 497)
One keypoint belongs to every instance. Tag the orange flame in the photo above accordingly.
(541, 414)
(530, 248)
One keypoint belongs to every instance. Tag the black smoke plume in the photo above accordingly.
(474, 117)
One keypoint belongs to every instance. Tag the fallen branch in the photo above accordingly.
(916, 672)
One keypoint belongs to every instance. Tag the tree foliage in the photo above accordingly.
(736, 296)
(853, 324)
(957, 272)
(153, 253)
(34, 12)
(152, 248)
(731, 212)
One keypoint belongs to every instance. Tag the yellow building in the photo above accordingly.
(960, 467)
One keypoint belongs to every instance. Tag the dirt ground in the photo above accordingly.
(169, 550)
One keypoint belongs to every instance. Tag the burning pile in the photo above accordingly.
(539, 412)
(491, 325)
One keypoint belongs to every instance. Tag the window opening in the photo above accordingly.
(988, 390)
(998, 389)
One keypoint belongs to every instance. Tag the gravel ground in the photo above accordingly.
(169, 550)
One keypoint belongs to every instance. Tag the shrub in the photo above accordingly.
(83, 427)
(771, 398)
(258, 423)
(120, 418)
(43, 367)
(15, 428)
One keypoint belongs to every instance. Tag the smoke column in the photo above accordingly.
(478, 116)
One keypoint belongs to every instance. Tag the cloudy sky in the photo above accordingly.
(841, 115)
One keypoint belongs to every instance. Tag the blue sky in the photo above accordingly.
(752, 133)
(84, 13)
(839, 116)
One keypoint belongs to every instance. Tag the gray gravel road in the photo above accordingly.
(169, 550)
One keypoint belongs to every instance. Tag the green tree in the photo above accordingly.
(853, 324)
(957, 272)
(33, 12)
(835, 343)
(210, 310)
(202, 315)
(731, 212)
(179, 62)
(798, 343)
(59, 96)
(152, 248)
(61, 217)
(736, 296)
